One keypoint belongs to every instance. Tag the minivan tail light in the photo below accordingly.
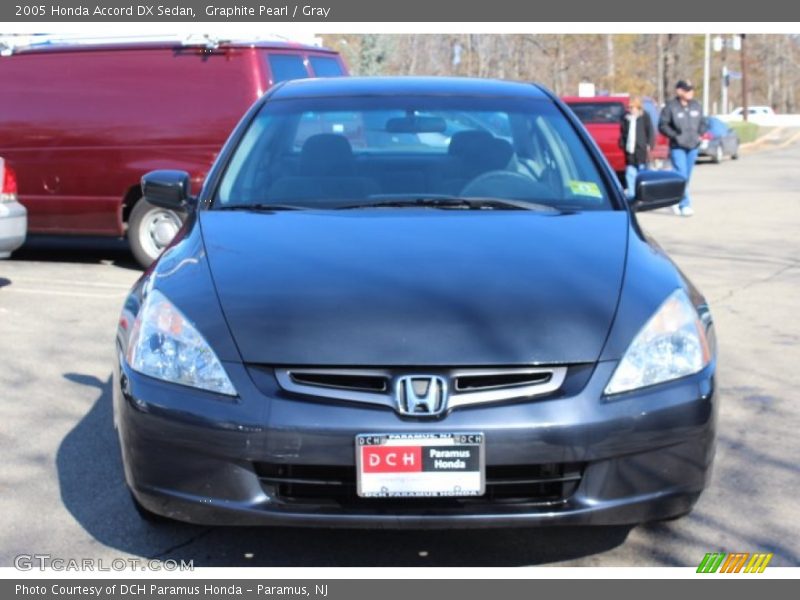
(8, 183)
(707, 136)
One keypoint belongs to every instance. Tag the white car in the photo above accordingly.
(753, 111)
(13, 216)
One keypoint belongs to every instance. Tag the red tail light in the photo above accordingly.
(8, 182)
(707, 136)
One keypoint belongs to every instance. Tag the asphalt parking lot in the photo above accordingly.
(61, 484)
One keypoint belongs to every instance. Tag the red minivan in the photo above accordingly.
(602, 116)
(81, 124)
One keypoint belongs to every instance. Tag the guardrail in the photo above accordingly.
(766, 120)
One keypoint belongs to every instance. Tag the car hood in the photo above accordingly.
(417, 287)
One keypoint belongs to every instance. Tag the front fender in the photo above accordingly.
(182, 274)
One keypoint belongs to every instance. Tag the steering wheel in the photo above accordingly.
(505, 184)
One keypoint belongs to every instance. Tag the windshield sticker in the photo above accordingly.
(585, 188)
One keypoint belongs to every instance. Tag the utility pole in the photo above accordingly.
(660, 68)
(744, 78)
(707, 75)
(725, 78)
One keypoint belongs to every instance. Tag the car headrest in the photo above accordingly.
(499, 154)
(327, 154)
(469, 144)
(480, 151)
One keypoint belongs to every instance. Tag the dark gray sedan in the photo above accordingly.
(387, 330)
(719, 141)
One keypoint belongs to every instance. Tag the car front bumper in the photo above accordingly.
(13, 227)
(197, 457)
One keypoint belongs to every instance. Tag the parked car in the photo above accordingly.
(13, 216)
(83, 123)
(752, 111)
(471, 335)
(719, 141)
(602, 116)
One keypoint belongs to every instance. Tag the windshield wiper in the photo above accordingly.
(452, 202)
(259, 207)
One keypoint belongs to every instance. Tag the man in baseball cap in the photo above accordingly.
(682, 122)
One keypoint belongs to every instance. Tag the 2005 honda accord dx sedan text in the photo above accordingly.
(413, 302)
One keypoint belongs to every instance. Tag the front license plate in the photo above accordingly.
(392, 465)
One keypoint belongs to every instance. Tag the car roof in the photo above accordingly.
(412, 86)
(596, 99)
(58, 47)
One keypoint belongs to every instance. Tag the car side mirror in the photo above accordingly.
(657, 189)
(168, 189)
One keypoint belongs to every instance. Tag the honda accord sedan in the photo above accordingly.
(413, 302)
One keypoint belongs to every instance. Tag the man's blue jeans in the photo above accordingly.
(683, 162)
(631, 171)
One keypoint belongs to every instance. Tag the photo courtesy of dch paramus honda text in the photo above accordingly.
(414, 302)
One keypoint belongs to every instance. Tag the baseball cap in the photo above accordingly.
(684, 84)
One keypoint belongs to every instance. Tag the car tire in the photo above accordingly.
(735, 155)
(719, 155)
(150, 229)
(677, 517)
(148, 515)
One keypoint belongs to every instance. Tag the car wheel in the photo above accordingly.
(146, 514)
(150, 230)
(719, 154)
(677, 517)
(735, 155)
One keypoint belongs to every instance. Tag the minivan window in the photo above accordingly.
(325, 66)
(598, 112)
(286, 66)
(332, 151)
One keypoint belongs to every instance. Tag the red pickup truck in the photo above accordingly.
(80, 124)
(602, 116)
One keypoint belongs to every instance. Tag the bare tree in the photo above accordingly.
(611, 67)
(632, 63)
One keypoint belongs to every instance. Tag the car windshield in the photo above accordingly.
(597, 113)
(339, 152)
(717, 127)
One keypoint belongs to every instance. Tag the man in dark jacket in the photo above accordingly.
(636, 139)
(682, 122)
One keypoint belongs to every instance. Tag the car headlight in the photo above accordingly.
(165, 345)
(672, 344)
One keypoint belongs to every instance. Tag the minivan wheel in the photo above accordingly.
(719, 154)
(150, 230)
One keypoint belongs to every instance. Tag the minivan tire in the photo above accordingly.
(150, 229)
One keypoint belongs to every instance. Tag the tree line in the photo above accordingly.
(646, 64)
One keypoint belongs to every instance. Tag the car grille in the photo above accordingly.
(335, 486)
(467, 386)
